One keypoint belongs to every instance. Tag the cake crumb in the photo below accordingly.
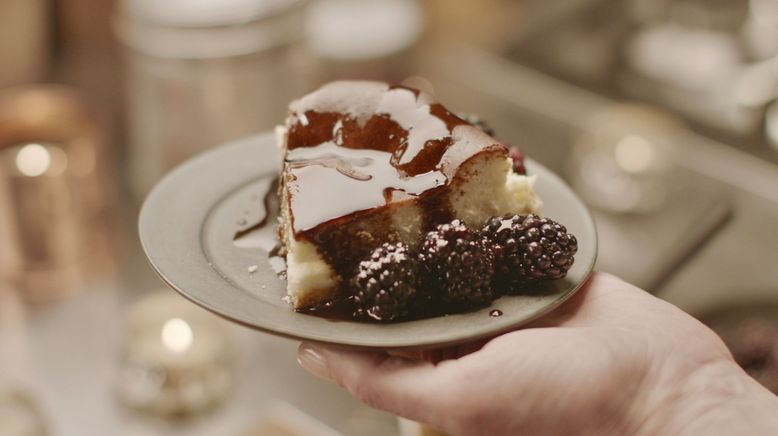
(253, 269)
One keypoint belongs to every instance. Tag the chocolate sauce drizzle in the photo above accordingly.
(396, 139)
(357, 149)
(269, 203)
(344, 309)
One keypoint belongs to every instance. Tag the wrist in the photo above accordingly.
(714, 398)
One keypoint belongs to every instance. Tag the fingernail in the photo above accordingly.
(313, 361)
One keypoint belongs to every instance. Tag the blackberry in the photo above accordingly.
(458, 265)
(530, 248)
(478, 122)
(385, 283)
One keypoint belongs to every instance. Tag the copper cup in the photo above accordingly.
(55, 218)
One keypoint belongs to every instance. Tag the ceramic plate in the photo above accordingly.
(188, 223)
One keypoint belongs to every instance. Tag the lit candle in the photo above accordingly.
(57, 224)
(177, 357)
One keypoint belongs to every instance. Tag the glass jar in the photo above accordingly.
(202, 73)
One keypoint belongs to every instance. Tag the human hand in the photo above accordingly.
(612, 360)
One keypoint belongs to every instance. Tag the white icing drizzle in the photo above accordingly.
(359, 99)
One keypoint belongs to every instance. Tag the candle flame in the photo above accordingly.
(33, 160)
(177, 335)
(634, 154)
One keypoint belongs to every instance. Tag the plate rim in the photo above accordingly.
(409, 343)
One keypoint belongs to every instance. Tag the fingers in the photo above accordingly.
(440, 354)
(409, 388)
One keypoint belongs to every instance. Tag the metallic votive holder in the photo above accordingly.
(177, 358)
(622, 160)
(55, 215)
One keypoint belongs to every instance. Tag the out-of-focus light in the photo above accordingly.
(634, 154)
(33, 160)
(177, 335)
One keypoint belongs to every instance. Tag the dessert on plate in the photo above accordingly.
(397, 208)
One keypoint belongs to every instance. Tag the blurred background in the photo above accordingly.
(662, 115)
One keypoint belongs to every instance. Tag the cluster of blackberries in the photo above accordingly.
(460, 268)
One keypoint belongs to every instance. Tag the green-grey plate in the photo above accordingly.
(188, 222)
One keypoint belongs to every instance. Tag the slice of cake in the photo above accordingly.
(366, 163)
